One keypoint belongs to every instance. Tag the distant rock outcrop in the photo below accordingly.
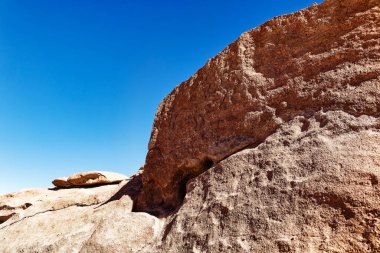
(272, 146)
(89, 178)
(61, 182)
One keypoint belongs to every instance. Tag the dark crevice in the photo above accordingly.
(4, 218)
(182, 189)
(270, 175)
(374, 180)
(160, 208)
(188, 174)
(305, 125)
(206, 164)
(168, 228)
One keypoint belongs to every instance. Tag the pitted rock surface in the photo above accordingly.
(313, 186)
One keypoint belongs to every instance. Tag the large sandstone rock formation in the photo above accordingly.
(273, 146)
(325, 57)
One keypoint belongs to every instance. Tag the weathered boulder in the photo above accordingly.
(89, 178)
(325, 57)
(95, 177)
(313, 186)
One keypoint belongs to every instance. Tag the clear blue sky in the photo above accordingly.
(80, 81)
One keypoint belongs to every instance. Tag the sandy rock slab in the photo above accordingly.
(15, 206)
(89, 178)
(96, 219)
(108, 228)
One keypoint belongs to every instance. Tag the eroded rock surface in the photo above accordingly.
(77, 220)
(313, 186)
(324, 57)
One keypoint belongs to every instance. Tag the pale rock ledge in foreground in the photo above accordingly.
(96, 219)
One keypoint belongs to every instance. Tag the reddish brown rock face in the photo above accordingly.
(326, 57)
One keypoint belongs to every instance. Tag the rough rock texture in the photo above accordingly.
(29, 202)
(326, 57)
(89, 178)
(273, 146)
(313, 186)
(77, 220)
